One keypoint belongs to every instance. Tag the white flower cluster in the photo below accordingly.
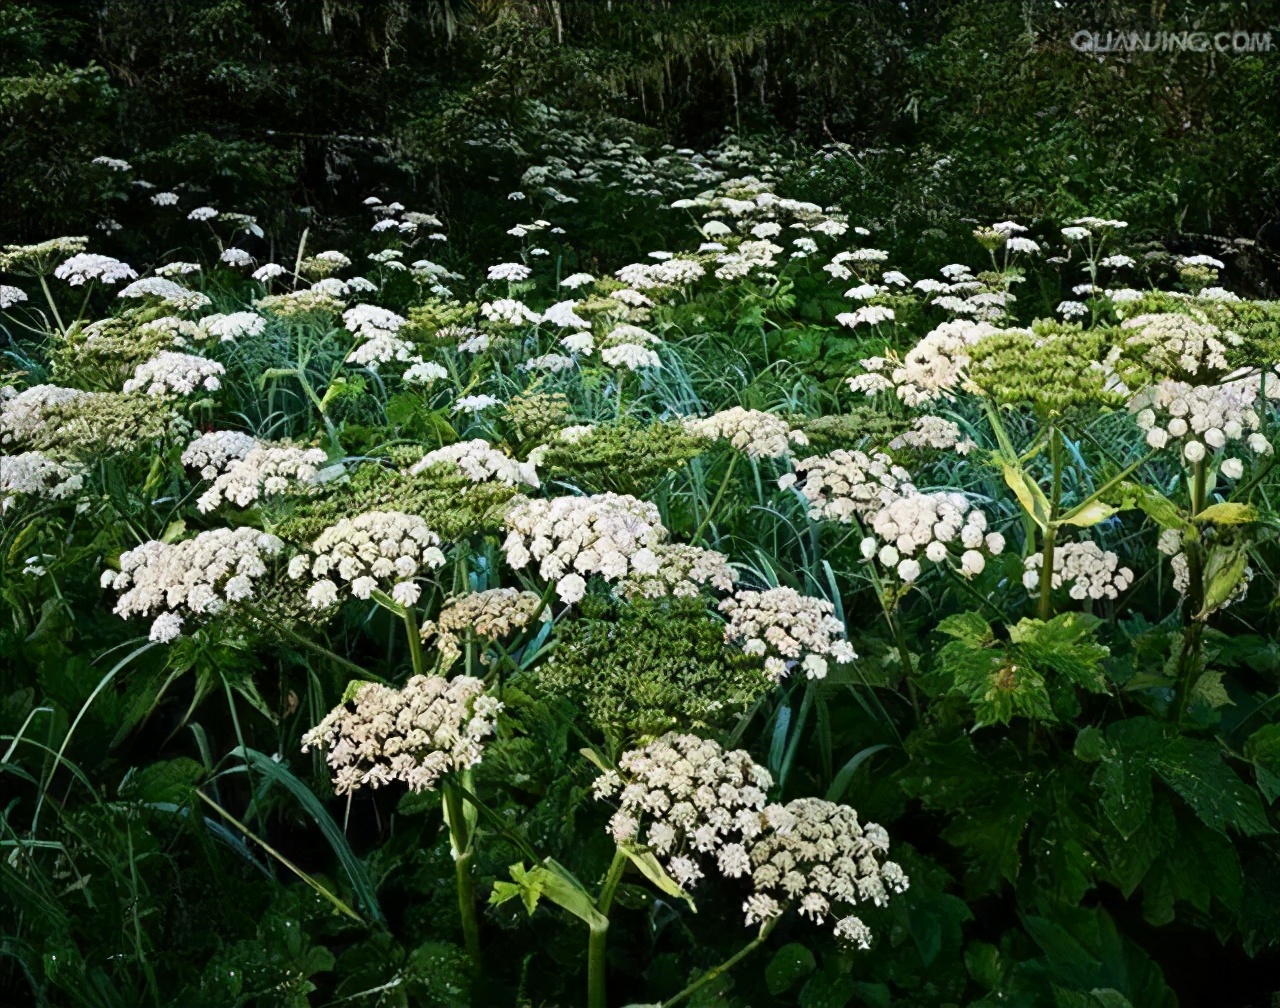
(1092, 572)
(263, 471)
(34, 473)
(934, 432)
(508, 311)
(211, 452)
(1201, 419)
(681, 796)
(754, 432)
(487, 615)
(514, 272)
(786, 628)
(843, 484)
(681, 571)
(480, 462)
(815, 854)
(932, 369)
(237, 325)
(664, 273)
(86, 266)
(630, 346)
(377, 329)
(418, 734)
(23, 415)
(173, 373)
(10, 296)
(869, 314)
(368, 552)
(172, 295)
(930, 522)
(199, 576)
(1179, 345)
(608, 534)
(562, 314)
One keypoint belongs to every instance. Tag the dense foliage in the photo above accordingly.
(459, 546)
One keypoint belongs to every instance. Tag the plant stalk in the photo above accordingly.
(715, 503)
(462, 857)
(724, 967)
(598, 938)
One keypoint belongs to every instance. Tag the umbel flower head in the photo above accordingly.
(572, 538)
(199, 576)
(845, 484)
(816, 856)
(753, 432)
(418, 734)
(374, 551)
(787, 629)
(681, 796)
(265, 470)
(35, 474)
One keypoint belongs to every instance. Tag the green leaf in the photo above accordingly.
(1222, 575)
(789, 964)
(354, 868)
(982, 960)
(1196, 771)
(649, 867)
(1157, 507)
(1028, 492)
(1090, 744)
(1090, 514)
(1262, 748)
(166, 781)
(1228, 513)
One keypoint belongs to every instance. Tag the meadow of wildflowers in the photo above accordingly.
(753, 619)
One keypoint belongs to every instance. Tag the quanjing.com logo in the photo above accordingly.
(1237, 41)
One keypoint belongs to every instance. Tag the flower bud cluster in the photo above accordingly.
(480, 462)
(787, 629)
(487, 615)
(198, 576)
(371, 552)
(681, 796)
(431, 727)
(1092, 572)
(1179, 345)
(173, 373)
(608, 534)
(753, 432)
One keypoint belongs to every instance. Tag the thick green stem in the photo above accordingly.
(48, 296)
(462, 856)
(1193, 636)
(724, 967)
(598, 938)
(1051, 529)
(415, 641)
(715, 503)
